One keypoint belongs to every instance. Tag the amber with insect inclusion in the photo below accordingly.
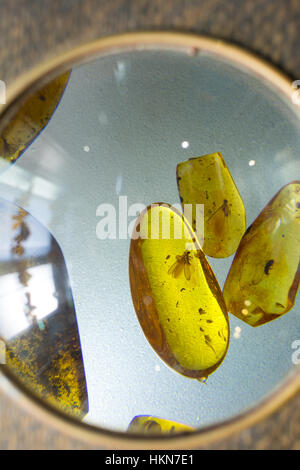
(206, 180)
(176, 296)
(145, 424)
(264, 277)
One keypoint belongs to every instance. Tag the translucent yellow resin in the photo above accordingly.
(176, 295)
(264, 277)
(206, 180)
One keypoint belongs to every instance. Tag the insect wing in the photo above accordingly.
(187, 271)
(176, 269)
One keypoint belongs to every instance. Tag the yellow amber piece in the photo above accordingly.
(31, 118)
(153, 425)
(264, 277)
(206, 180)
(176, 296)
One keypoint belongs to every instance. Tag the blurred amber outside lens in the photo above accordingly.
(37, 315)
(42, 352)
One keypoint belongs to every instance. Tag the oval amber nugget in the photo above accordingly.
(206, 180)
(264, 277)
(176, 296)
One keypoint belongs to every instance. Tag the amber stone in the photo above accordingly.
(175, 294)
(38, 325)
(206, 180)
(145, 424)
(33, 115)
(264, 277)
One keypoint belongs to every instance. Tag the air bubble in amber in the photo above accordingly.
(264, 277)
(206, 180)
(176, 296)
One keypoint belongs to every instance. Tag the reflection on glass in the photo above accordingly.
(37, 315)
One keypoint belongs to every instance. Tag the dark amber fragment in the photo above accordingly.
(37, 315)
(31, 119)
(206, 180)
(153, 425)
(176, 295)
(264, 277)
